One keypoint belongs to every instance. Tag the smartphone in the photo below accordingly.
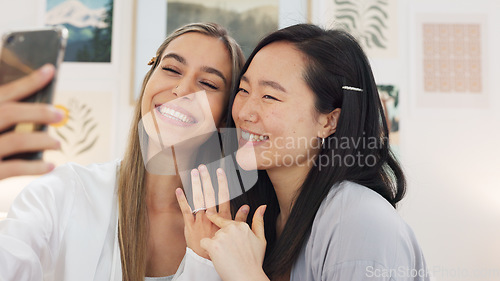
(23, 52)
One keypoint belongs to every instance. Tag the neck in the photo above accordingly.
(162, 178)
(287, 182)
(160, 196)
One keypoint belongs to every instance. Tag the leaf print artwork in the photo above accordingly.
(79, 134)
(368, 19)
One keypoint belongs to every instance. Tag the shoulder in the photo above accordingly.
(93, 172)
(72, 179)
(357, 207)
(359, 224)
(93, 175)
(71, 194)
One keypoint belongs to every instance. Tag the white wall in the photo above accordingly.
(450, 155)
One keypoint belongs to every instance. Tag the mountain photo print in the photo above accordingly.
(247, 20)
(89, 23)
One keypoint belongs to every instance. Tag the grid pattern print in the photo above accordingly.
(452, 58)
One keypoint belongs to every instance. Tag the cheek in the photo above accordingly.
(289, 128)
(277, 125)
(236, 108)
(147, 97)
(145, 104)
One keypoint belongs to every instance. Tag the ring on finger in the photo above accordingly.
(198, 210)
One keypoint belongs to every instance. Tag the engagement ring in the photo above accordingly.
(199, 209)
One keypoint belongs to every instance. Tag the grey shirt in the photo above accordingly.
(358, 235)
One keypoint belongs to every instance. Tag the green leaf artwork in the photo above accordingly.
(367, 19)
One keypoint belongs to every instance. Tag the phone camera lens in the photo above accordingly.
(10, 39)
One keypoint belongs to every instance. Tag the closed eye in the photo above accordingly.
(171, 70)
(210, 85)
(270, 97)
(242, 90)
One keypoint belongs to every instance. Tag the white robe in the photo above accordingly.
(63, 226)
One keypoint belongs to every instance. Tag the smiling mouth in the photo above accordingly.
(176, 114)
(252, 137)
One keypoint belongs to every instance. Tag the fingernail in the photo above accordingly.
(46, 69)
(202, 168)
(220, 171)
(263, 210)
(58, 145)
(178, 191)
(245, 209)
(49, 167)
(59, 113)
(194, 172)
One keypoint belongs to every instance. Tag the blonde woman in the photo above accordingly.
(118, 220)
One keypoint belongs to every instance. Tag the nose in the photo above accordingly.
(184, 88)
(246, 109)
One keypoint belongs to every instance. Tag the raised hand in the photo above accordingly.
(196, 224)
(13, 112)
(236, 250)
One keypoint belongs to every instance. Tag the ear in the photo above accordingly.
(328, 123)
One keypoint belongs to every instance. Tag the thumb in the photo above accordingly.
(258, 222)
(206, 244)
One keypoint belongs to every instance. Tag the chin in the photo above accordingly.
(246, 159)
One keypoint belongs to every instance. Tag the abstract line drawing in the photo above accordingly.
(452, 58)
(368, 19)
(79, 134)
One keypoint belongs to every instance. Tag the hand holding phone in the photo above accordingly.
(23, 94)
(13, 112)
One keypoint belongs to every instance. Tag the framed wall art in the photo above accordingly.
(450, 65)
(90, 26)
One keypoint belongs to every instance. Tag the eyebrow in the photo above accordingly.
(175, 57)
(206, 69)
(267, 83)
(212, 70)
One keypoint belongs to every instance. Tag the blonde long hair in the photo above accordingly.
(133, 220)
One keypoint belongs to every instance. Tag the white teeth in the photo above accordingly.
(251, 137)
(245, 135)
(169, 112)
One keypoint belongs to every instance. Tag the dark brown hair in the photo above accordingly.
(334, 59)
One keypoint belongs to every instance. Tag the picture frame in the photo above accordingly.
(426, 102)
(150, 31)
(373, 23)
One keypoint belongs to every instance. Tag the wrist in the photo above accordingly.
(258, 276)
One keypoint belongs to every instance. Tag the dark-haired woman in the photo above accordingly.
(309, 115)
